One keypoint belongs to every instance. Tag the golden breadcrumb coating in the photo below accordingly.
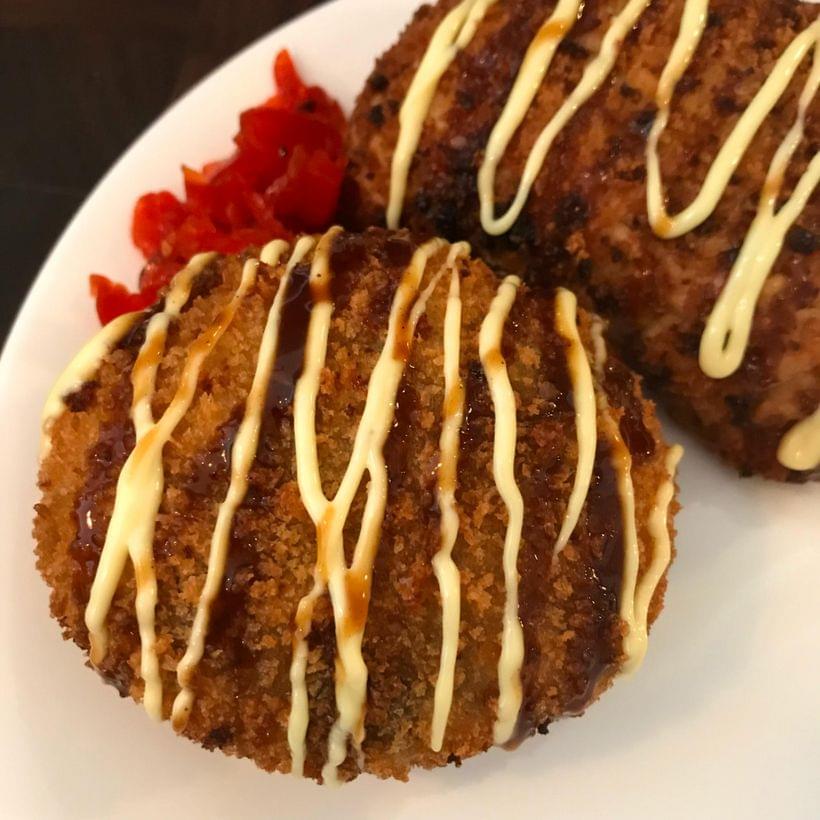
(569, 613)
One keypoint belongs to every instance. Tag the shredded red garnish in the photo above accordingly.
(283, 178)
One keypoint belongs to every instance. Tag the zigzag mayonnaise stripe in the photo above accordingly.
(444, 567)
(141, 482)
(512, 637)
(375, 424)
(349, 587)
(452, 35)
(726, 335)
(634, 598)
(583, 393)
(83, 366)
(621, 460)
(144, 374)
(658, 525)
(143, 377)
(310, 485)
(530, 76)
(242, 456)
(733, 149)
(533, 68)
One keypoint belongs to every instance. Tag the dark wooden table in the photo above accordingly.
(79, 80)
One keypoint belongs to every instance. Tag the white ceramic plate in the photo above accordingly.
(723, 719)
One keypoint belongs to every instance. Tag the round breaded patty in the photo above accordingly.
(569, 608)
(585, 222)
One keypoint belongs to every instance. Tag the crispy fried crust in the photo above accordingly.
(570, 616)
(585, 222)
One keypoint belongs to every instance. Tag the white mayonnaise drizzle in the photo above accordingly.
(599, 352)
(622, 464)
(81, 368)
(529, 78)
(242, 456)
(446, 571)
(735, 146)
(505, 437)
(583, 393)
(330, 516)
(729, 325)
(454, 34)
(451, 36)
(377, 419)
(800, 447)
(141, 481)
(658, 525)
(621, 461)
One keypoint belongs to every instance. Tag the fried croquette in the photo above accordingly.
(373, 334)
(585, 222)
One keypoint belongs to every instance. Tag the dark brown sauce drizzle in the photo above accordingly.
(404, 335)
(556, 418)
(135, 337)
(348, 254)
(604, 524)
(119, 677)
(348, 259)
(300, 297)
(478, 406)
(227, 639)
(214, 464)
(240, 565)
(104, 462)
(358, 602)
(204, 282)
(82, 398)
(229, 611)
(524, 728)
(396, 252)
(619, 384)
(396, 451)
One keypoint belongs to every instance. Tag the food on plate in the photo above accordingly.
(283, 177)
(355, 504)
(659, 156)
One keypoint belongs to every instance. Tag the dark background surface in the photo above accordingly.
(79, 81)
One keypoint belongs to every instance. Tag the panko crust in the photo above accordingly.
(585, 222)
(573, 633)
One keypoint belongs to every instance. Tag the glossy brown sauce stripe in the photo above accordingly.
(604, 528)
(299, 301)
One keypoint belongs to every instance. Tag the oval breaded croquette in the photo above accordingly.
(733, 233)
(359, 506)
